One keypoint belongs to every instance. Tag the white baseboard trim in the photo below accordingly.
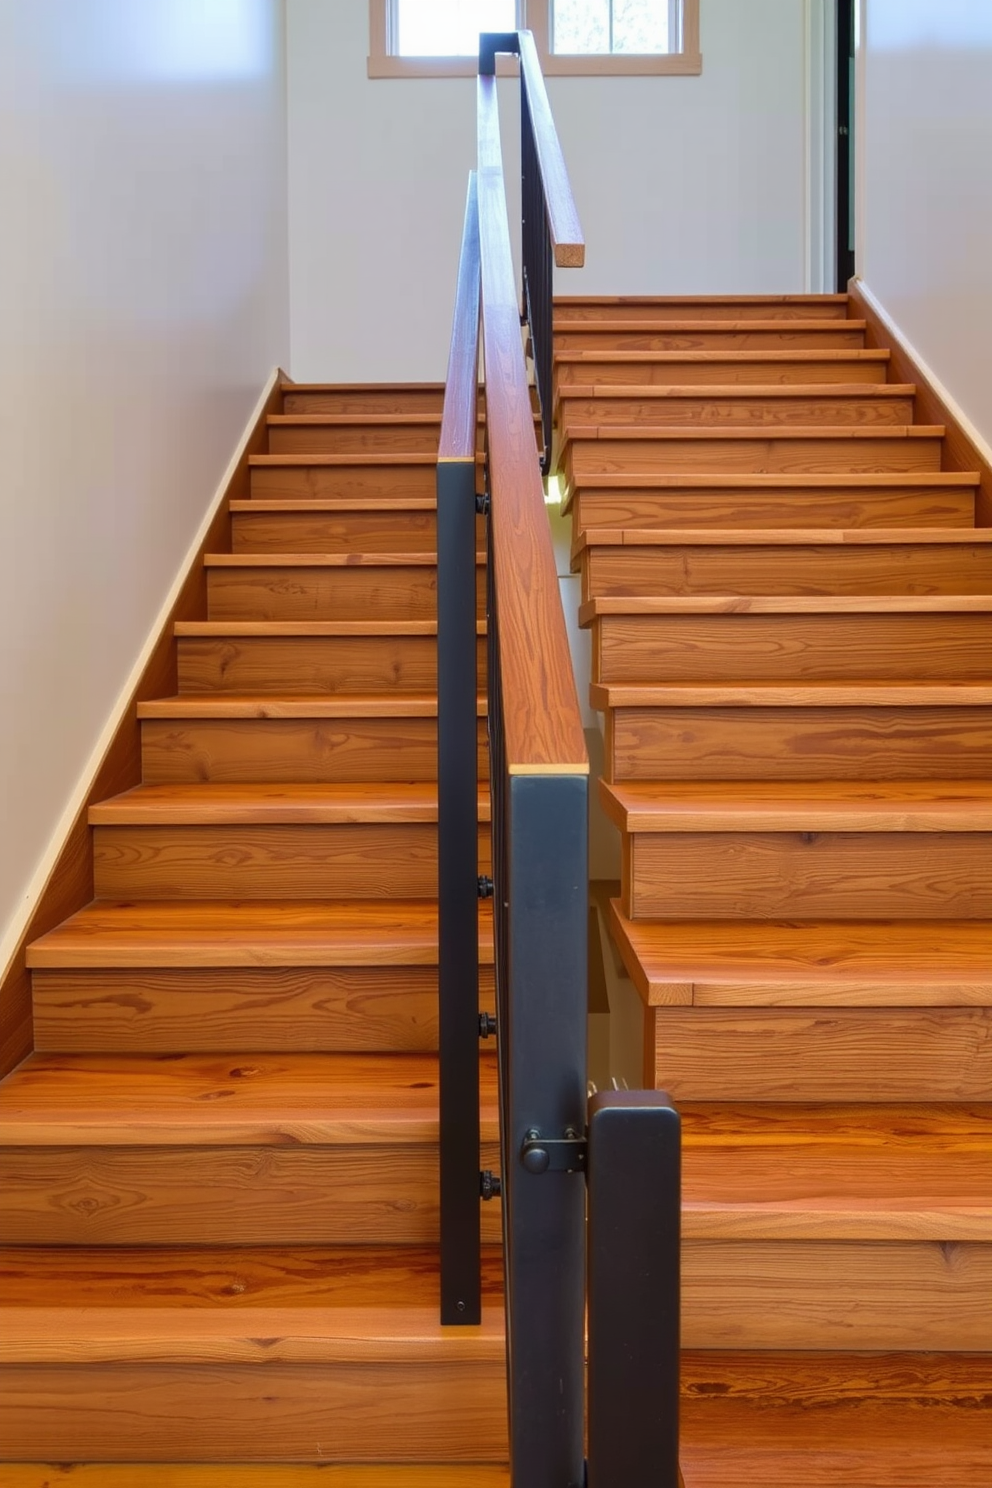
(954, 408)
(18, 922)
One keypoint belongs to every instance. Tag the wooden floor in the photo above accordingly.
(219, 1216)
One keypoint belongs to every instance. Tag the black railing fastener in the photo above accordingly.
(566, 1154)
(487, 1025)
(482, 503)
(490, 1185)
(485, 887)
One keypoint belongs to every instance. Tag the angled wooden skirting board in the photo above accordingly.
(70, 883)
(960, 451)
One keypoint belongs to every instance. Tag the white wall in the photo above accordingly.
(684, 185)
(925, 188)
(143, 303)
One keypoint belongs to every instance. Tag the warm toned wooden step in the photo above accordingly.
(701, 307)
(645, 334)
(370, 477)
(310, 657)
(126, 1351)
(181, 934)
(210, 841)
(940, 499)
(251, 1149)
(826, 561)
(674, 368)
(854, 1172)
(592, 451)
(248, 1475)
(781, 731)
(353, 433)
(234, 740)
(363, 397)
(819, 850)
(838, 405)
(327, 586)
(825, 964)
(807, 1420)
(345, 525)
(791, 639)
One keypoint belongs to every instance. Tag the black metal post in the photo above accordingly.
(458, 909)
(634, 1181)
(538, 273)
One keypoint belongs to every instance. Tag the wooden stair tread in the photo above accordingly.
(838, 298)
(210, 1100)
(790, 537)
(167, 933)
(341, 705)
(174, 805)
(839, 480)
(837, 354)
(248, 1475)
(768, 431)
(799, 806)
(841, 1172)
(414, 559)
(822, 961)
(296, 461)
(385, 628)
(609, 391)
(790, 694)
(783, 604)
(321, 1305)
(564, 326)
(335, 504)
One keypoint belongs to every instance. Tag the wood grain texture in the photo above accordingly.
(794, 648)
(311, 664)
(836, 1054)
(243, 1195)
(563, 217)
(99, 1100)
(354, 434)
(223, 1010)
(589, 452)
(542, 721)
(706, 308)
(368, 398)
(356, 479)
(960, 452)
(730, 406)
(307, 592)
(842, 875)
(248, 1475)
(187, 933)
(692, 368)
(807, 964)
(323, 527)
(787, 568)
(690, 335)
(793, 506)
(71, 883)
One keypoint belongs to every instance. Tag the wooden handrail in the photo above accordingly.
(541, 716)
(459, 420)
(563, 218)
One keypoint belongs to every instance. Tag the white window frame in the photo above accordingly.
(536, 14)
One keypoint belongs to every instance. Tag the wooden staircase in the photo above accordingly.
(790, 602)
(219, 1206)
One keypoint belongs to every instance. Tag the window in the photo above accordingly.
(438, 38)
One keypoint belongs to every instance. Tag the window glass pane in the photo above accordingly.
(640, 25)
(599, 27)
(581, 26)
(449, 28)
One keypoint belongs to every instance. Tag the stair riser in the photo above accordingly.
(345, 439)
(317, 1009)
(331, 532)
(819, 1054)
(806, 876)
(701, 309)
(798, 743)
(378, 1412)
(608, 372)
(587, 458)
(285, 750)
(343, 482)
(782, 648)
(748, 412)
(365, 400)
(847, 507)
(226, 1196)
(311, 665)
(710, 338)
(904, 568)
(311, 861)
(346, 593)
(849, 1295)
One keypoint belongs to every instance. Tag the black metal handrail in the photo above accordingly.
(555, 1146)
